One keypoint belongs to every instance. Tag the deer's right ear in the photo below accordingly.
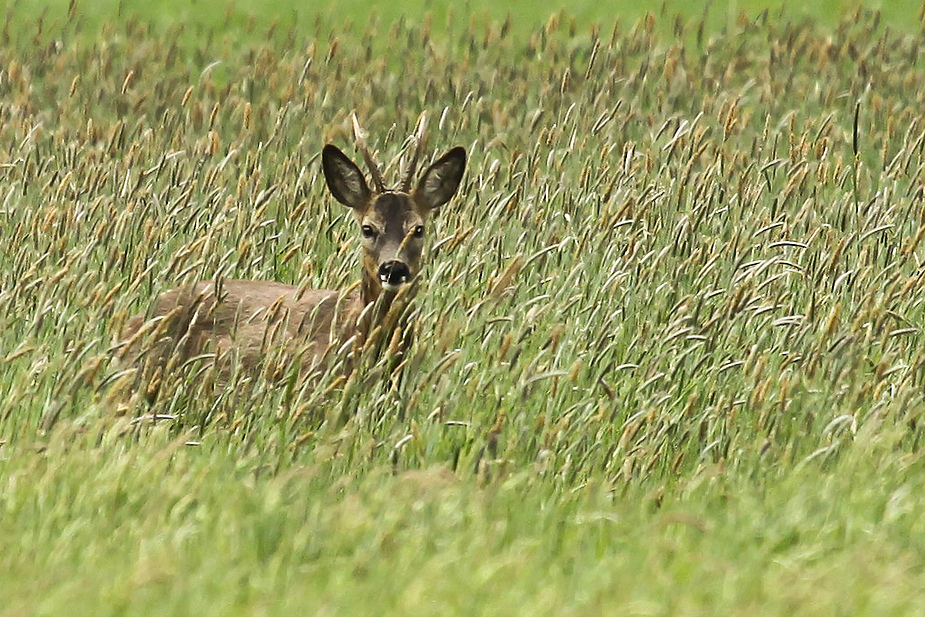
(344, 178)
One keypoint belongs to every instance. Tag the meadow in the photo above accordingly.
(669, 355)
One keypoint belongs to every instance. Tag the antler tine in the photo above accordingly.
(418, 146)
(367, 155)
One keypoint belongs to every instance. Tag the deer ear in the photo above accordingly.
(441, 180)
(344, 178)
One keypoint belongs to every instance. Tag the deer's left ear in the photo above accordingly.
(441, 180)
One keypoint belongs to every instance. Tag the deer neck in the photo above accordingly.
(387, 305)
(371, 290)
(372, 293)
(380, 312)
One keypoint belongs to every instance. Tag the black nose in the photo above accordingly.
(394, 273)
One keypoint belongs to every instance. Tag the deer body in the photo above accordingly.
(245, 325)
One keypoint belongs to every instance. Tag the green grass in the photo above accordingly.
(246, 18)
(670, 352)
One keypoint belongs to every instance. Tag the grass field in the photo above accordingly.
(669, 359)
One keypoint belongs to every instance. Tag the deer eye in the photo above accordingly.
(368, 232)
(419, 231)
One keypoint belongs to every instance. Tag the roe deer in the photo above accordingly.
(254, 323)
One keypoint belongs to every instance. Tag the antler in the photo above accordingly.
(418, 146)
(367, 156)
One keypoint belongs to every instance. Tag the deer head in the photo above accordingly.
(392, 222)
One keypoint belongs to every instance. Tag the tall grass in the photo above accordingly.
(669, 354)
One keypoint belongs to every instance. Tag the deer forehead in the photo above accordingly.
(392, 211)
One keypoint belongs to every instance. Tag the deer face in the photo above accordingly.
(393, 239)
(392, 224)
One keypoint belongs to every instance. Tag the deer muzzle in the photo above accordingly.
(393, 274)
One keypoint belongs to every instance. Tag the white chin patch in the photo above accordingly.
(390, 287)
